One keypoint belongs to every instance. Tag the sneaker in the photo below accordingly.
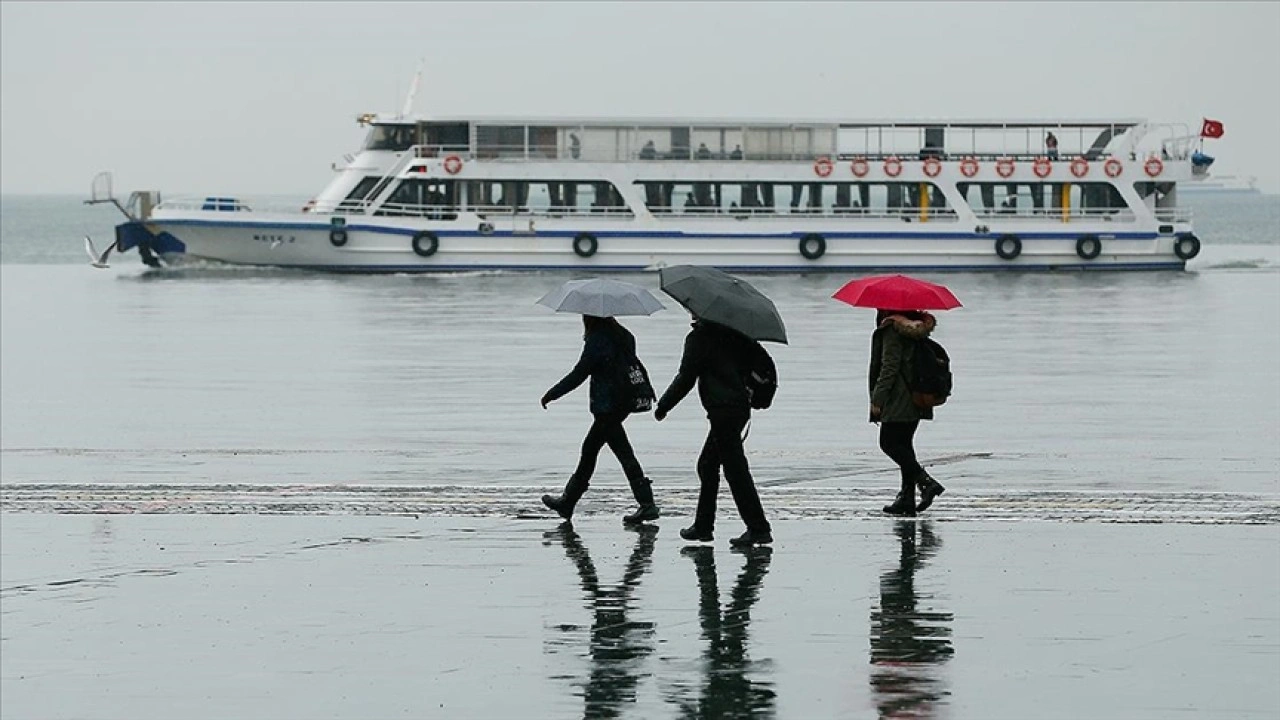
(558, 504)
(904, 505)
(749, 538)
(646, 512)
(693, 533)
(929, 489)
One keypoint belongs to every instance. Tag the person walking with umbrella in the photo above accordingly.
(608, 357)
(729, 317)
(895, 405)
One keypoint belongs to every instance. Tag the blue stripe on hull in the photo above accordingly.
(791, 235)
(808, 270)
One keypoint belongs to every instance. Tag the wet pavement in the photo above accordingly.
(438, 616)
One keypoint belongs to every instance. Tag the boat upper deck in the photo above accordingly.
(635, 140)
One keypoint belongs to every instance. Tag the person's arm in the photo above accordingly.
(890, 363)
(686, 376)
(592, 354)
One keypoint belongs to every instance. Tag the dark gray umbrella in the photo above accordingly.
(717, 296)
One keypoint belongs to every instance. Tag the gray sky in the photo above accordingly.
(261, 98)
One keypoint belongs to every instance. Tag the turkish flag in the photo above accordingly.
(1211, 129)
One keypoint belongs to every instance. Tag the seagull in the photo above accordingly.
(98, 261)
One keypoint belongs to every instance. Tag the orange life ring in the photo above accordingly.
(1112, 167)
(860, 167)
(1042, 167)
(822, 167)
(1079, 167)
(932, 167)
(892, 166)
(453, 164)
(1153, 166)
(1005, 167)
(969, 166)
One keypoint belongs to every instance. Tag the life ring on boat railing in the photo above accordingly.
(1042, 167)
(822, 167)
(892, 166)
(1153, 166)
(1112, 167)
(453, 164)
(425, 244)
(1008, 246)
(1079, 167)
(969, 166)
(585, 245)
(860, 167)
(1088, 247)
(338, 237)
(932, 167)
(813, 246)
(1186, 247)
(1005, 167)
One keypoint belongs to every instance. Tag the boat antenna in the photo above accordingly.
(413, 90)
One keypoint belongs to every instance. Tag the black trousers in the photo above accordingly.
(724, 449)
(608, 430)
(896, 441)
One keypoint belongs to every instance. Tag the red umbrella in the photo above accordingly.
(896, 292)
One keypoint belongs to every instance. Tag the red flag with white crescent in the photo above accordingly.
(1211, 129)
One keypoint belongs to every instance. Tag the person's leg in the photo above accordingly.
(704, 518)
(896, 442)
(727, 431)
(581, 478)
(616, 437)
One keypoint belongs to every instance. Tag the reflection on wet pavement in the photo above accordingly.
(618, 646)
(729, 689)
(909, 643)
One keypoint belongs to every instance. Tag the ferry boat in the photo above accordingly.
(444, 194)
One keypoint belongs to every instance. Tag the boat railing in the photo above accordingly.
(1179, 214)
(904, 214)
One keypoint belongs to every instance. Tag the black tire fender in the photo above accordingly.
(1088, 247)
(585, 245)
(1008, 246)
(813, 246)
(425, 244)
(1186, 247)
(338, 237)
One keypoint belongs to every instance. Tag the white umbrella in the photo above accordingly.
(601, 297)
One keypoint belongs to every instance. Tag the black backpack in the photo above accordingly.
(761, 378)
(633, 383)
(930, 376)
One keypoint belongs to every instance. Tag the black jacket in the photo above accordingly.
(717, 358)
(603, 353)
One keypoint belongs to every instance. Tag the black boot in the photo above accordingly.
(693, 533)
(904, 505)
(752, 537)
(643, 490)
(564, 504)
(929, 489)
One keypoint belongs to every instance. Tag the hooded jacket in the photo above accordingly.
(716, 358)
(893, 349)
(604, 350)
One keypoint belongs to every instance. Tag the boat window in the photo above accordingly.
(1045, 199)
(432, 199)
(805, 198)
(360, 194)
(550, 197)
(447, 138)
(391, 137)
(499, 141)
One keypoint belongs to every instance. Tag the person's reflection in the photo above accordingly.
(618, 645)
(728, 690)
(908, 645)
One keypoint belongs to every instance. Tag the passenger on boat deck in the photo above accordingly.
(704, 153)
(649, 152)
(737, 153)
(689, 202)
(1051, 146)
(575, 146)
